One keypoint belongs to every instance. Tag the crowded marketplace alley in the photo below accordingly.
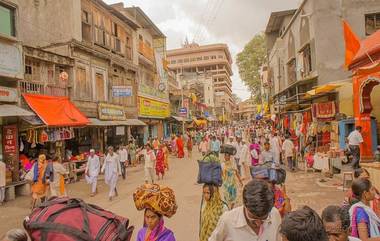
(303, 189)
(179, 120)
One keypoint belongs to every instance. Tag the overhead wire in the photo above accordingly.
(213, 15)
(203, 17)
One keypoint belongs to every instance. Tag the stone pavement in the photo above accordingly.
(301, 188)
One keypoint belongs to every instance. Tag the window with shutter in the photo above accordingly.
(100, 87)
(82, 84)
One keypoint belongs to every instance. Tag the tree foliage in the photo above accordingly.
(249, 62)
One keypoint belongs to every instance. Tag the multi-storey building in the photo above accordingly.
(245, 110)
(306, 49)
(153, 91)
(213, 59)
(95, 46)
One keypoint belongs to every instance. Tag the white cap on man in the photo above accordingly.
(92, 151)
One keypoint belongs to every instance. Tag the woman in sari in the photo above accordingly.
(166, 156)
(365, 223)
(160, 162)
(39, 176)
(189, 146)
(231, 180)
(254, 150)
(132, 152)
(211, 209)
(154, 228)
(180, 147)
(174, 145)
(157, 201)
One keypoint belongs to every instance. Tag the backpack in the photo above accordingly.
(70, 219)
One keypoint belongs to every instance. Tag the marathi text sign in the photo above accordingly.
(111, 112)
(153, 108)
(8, 94)
(121, 91)
(10, 150)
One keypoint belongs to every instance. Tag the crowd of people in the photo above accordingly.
(244, 207)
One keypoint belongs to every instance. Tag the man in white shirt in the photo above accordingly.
(123, 154)
(150, 160)
(354, 140)
(275, 145)
(267, 154)
(336, 221)
(303, 225)
(92, 171)
(256, 220)
(111, 169)
(238, 156)
(288, 150)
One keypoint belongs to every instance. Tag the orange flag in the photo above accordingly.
(352, 43)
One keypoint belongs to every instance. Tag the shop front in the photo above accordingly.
(112, 128)
(153, 113)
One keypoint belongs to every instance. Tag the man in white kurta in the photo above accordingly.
(275, 145)
(111, 169)
(92, 171)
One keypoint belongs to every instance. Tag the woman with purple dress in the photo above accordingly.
(154, 228)
(254, 149)
(157, 201)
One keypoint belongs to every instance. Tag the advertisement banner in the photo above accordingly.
(121, 91)
(153, 108)
(8, 94)
(10, 151)
(111, 112)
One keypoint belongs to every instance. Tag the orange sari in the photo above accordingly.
(180, 146)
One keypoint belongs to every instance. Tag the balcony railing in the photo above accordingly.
(39, 88)
(146, 51)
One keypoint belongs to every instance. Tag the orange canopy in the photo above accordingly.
(368, 47)
(56, 110)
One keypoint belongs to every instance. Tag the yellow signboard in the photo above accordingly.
(153, 108)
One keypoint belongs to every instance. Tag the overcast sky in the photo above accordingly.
(233, 22)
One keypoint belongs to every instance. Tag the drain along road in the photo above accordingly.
(301, 188)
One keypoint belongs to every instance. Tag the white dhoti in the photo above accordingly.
(92, 180)
(111, 181)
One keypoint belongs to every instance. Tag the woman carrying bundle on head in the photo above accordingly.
(156, 201)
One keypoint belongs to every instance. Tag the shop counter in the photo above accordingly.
(374, 171)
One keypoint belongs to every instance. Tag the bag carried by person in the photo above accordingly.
(274, 175)
(69, 219)
(210, 171)
(229, 149)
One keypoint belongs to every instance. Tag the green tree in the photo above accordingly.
(249, 62)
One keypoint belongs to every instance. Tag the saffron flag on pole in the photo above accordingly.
(352, 43)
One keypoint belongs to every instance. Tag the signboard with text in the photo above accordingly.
(10, 150)
(111, 112)
(8, 94)
(153, 108)
(183, 111)
(121, 91)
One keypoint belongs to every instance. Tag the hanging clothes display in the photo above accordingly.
(325, 111)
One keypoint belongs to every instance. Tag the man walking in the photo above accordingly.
(123, 154)
(288, 150)
(92, 171)
(275, 144)
(111, 169)
(238, 156)
(354, 140)
(256, 220)
(215, 146)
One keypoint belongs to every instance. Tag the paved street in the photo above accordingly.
(301, 187)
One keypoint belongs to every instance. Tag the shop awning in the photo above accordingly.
(56, 110)
(323, 89)
(33, 120)
(13, 110)
(200, 122)
(180, 118)
(128, 122)
(135, 122)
